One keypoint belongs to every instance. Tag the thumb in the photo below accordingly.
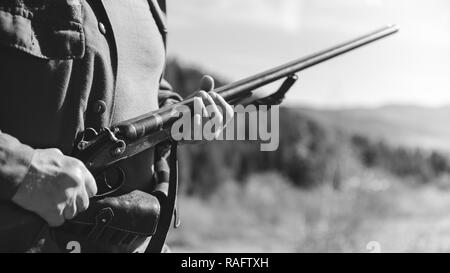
(207, 83)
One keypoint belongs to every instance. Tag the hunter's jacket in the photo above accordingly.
(58, 65)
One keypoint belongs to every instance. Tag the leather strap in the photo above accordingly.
(103, 218)
(167, 206)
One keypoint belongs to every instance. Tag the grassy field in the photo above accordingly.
(372, 212)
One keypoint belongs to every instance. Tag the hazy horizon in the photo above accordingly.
(369, 107)
(239, 38)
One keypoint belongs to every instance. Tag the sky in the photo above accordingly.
(238, 38)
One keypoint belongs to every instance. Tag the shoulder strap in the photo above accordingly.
(162, 5)
(158, 9)
(168, 206)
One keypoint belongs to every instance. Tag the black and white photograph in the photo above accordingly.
(243, 127)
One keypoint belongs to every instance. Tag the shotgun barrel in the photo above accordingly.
(234, 92)
(234, 89)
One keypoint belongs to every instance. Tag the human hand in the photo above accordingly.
(56, 187)
(209, 106)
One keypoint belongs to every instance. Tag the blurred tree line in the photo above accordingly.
(308, 155)
(408, 163)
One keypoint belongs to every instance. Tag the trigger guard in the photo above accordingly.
(108, 182)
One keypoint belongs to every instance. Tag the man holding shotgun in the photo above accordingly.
(84, 160)
(68, 65)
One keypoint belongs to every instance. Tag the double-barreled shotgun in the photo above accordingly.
(102, 150)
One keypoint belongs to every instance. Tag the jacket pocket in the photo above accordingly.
(50, 29)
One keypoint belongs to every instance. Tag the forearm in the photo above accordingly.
(15, 160)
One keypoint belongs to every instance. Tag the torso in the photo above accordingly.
(141, 58)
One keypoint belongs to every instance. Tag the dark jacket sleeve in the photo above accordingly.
(166, 96)
(15, 159)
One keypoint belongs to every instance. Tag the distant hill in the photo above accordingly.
(320, 146)
(398, 125)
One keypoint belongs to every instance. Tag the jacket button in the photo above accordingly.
(99, 107)
(102, 28)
